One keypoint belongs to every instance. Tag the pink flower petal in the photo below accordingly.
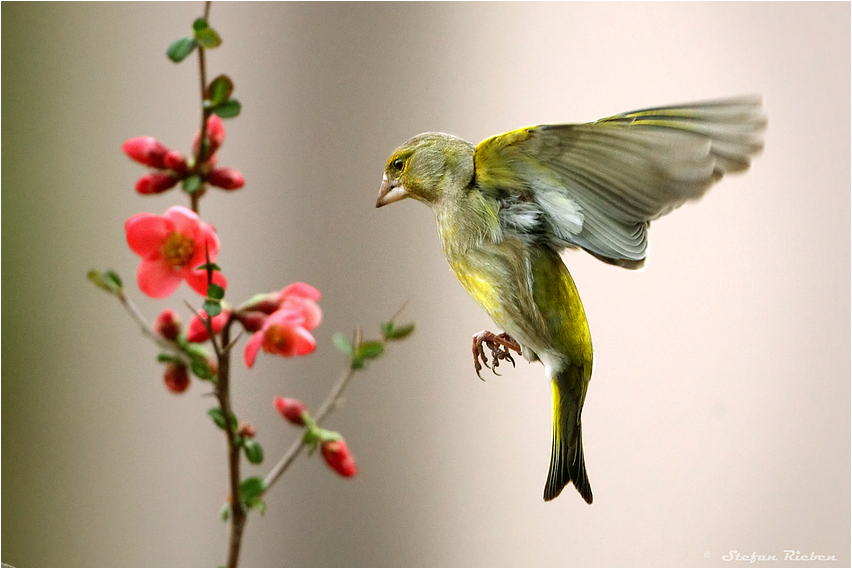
(300, 289)
(252, 347)
(311, 313)
(146, 233)
(205, 235)
(184, 219)
(198, 280)
(156, 278)
(304, 342)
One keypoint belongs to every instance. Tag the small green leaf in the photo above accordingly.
(254, 452)
(199, 24)
(215, 291)
(342, 343)
(192, 184)
(369, 350)
(229, 109)
(202, 370)
(219, 90)
(357, 363)
(225, 512)
(195, 351)
(251, 488)
(208, 267)
(391, 331)
(113, 280)
(257, 504)
(165, 358)
(108, 281)
(207, 37)
(213, 308)
(181, 48)
(219, 418)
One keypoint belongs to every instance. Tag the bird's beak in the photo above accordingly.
(390, 192)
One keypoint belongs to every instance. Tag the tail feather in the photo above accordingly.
(567, 463)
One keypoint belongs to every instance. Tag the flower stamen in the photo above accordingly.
(178, 249)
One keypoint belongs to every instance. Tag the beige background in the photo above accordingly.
(719, 414)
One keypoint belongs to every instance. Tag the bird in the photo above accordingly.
(508, 207)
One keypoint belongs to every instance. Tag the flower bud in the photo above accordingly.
(156, 182)
(167, 324)
(197, 331)
(291, 409)
(226, 178)
(176, 377)
(146, 150)
(247, 431)
(251, 321)
(215, 136)
(176, 161)
(337, 456)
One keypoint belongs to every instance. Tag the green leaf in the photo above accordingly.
(201, 369)
(215, 291)
(257, 504)
(192, 184)
(254, 452)
(108, 281)
(251, 488)
(219, 90)
(199, 24)
(207, 37)
(165, 358)
(212, 307)
(219, 418)
(209, 267)
(369, 350)
(229, 109)
(225, 512)
(195, 351)
(391, 331)
(181, 48)
(342, 343)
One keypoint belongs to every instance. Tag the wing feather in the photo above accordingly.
(599, 185)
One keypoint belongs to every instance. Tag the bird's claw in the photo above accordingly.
(499, 344)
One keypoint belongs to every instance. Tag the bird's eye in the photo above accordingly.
(397, 164)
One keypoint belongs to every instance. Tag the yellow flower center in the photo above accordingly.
(178, 249)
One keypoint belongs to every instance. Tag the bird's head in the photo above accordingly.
(429, 168)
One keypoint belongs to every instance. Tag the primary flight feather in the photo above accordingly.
(508, 206)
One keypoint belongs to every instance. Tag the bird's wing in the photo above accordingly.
(598, 185)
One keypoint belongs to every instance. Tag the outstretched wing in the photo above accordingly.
(599, 185)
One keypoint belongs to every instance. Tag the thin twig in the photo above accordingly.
(146, 328)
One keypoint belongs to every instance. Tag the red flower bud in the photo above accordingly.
(197, 331)
(167, 324)
(215, 136)
(337, 456)
(176, 161)
(176, 377)
(156, 182)
(291, 409)
(251, 321)
(247, 431)
(146, 150)
(226, 178)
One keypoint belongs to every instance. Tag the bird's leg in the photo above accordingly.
(499, 344)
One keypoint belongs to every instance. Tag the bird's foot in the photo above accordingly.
(499, 344)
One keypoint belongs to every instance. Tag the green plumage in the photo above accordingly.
(506, 209)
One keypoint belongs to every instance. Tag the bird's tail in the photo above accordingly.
(566, 459)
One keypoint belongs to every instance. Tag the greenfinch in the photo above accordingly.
(507, 207)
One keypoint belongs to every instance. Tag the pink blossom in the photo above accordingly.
(226, 178)
(215, 136)
(337, 456)
(176, 377)
(156, 182)
(284, 333)
(197, 331)
(167, 324)
(146, 150)
(291, 409)
(302, 298)
(171, 247)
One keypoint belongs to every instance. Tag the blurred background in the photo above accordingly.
(718, 418)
